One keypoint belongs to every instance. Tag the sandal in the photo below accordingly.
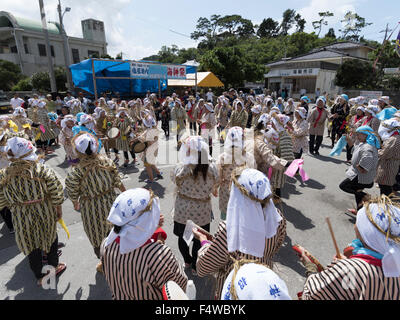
(300, 250)
(60, 268)
(352, 211)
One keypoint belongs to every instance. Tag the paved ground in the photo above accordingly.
(306, 205)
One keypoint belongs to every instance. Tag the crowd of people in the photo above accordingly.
(261, 138)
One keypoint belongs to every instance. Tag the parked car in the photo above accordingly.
(5, 105)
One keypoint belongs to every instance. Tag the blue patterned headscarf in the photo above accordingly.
(372, 138)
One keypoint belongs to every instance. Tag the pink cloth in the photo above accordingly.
(269, 173)
(294, 166)
(41, 127)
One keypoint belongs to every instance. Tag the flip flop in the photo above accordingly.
(300, 250)
(353, 211)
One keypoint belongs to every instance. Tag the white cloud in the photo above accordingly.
(338, 7)
(112, 12)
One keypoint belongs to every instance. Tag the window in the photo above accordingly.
(42, 50)
(26, 48)
(75, 55)
(295, 71)
(52, 51)
(310, 71)
(300, 71)
(14, 49)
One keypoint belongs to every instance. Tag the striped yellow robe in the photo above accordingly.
(43, 119)
(284, 151)
(93, 185)
(122, 142)
(35, 224)
(214, 258)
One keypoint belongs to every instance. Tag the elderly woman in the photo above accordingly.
(150, 136)
(125, 125)
(135, 244)
(207, 124)
(389, 156)
(196, 178)
(191, 113)
(222, 110)
(263, 153)
(354, 124)
(370, 118)
(48, 136)
(317, 120)
(256, 114)
(90, 186)
(300, 132)
(364, 162)
(239, 115)
(234, 156)
(289, 109)
(284, 151)
(179, 115)
(371, 268)
(339, 113)
(255, 236)
(66, 136)
(34, 195)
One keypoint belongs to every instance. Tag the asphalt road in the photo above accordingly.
(305, 206)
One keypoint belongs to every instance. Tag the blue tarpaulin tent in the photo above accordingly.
(114, 75)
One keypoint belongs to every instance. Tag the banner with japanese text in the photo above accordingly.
(141, 70)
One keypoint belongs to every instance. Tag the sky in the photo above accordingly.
(140, 28)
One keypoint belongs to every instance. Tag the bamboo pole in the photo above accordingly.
(338, 255)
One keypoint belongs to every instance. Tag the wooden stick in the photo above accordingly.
(338, 255)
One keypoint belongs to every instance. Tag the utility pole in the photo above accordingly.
(48, 51)
(67, 56)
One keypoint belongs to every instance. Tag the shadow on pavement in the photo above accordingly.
(287, 257)
(329, 159)
(205, 286)
(295, 216)
(157, 188)
(99, 290)
(311, 183)
(24, 281)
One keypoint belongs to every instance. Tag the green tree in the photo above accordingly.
(331, 33)
(300, 23)
(353, 26)
(356, 74)
(10, 74)
(388, 57)
(23, 85)
(268, 28)
(288, 20)
(317, 25)
(41, 80)
(206, 29)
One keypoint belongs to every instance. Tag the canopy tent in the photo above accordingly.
(101, 75)
(204, 79)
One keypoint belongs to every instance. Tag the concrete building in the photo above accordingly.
(22, 42)
(315, 70)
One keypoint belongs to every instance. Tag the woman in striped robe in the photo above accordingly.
(48, 136)
(284, 151)
(258, 235)
(90, 186)
(137, 263)
(371, 268)
(234, 156)
(389, 156)
(125, 124)
(300, 132)
(34, 195)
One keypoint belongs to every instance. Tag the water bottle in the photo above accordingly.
(191, 290)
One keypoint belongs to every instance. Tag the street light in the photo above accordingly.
(67, 57)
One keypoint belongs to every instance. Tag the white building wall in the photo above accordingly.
(325, 81)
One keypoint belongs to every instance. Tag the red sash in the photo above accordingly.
(366, 121)
(190, 112)
(369, 259)
(396, 133)
(319, 116)
(153, 238)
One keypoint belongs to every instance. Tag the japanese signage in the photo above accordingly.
(141, 70)
(176, 72)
